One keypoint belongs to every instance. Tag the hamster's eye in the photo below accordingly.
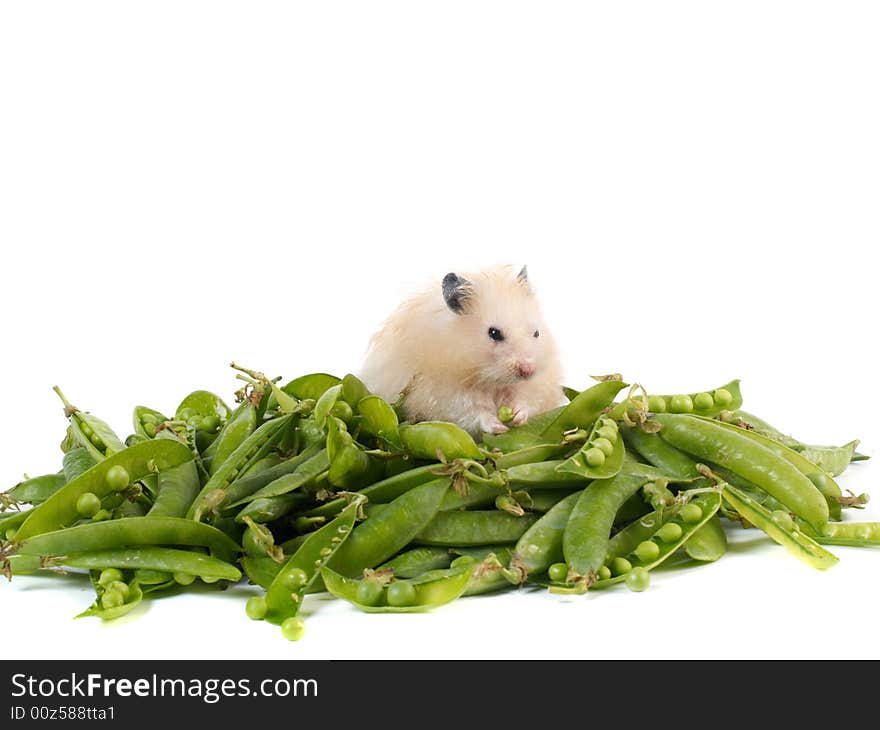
(536, 333)
(496, 334)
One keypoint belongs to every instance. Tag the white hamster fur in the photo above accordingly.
(465, 346)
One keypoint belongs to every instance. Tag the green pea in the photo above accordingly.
(783, 519)
(648, 551)
(112, 599)
(604, 572)
(462, 560)
(342, 411)
(10, 533)
(723, 397)
(370, 592)
(670, 532)
(293, 628)
(210, 424)
(638, 580)
(121, 588)
(117, 478)
(594, 457)
(256, 608)
(184, 579)
(657, 404)
(401, 593)
(151, 429)
(703, 402)
(151, 577)
(98, 443)
(101, 515)
(681, 404)
(88, 504)
(604, 445)
(608, 423)
(620, 566)
(295, 578)
(505, 414)
(87, 431)
(108, 576)
(691, 513)
(149, 418)
(606, 432)
(558, 572)
(209, 578)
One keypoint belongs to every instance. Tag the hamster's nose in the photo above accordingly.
(525, 369)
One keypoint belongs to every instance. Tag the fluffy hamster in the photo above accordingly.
(465, 346)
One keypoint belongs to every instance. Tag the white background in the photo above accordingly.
(693, 185)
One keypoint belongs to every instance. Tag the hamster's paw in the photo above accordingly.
(520, 414)
(490, 423)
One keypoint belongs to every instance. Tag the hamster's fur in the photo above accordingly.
(465, 346)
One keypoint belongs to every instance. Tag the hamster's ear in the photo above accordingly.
(456, 290)
(523, 275)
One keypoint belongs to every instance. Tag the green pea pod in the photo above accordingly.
(177, 488)
(325, 403)
(545, 474)
(138, 461)
(214, 494)
(146, 421)
(793, 539)
(350, 468)
(521, 437)
(629, 538)
(433, 439)
(477, 527)
(379, 419)
(168, 560)
(833, 460)
(256, 478)
(432, 591)
(708, 543)
(311, 387)
(583, 411)
(602, 454)
(11, 521)
(36, 489)
(77, 461)
(202, 403)
(570, 393)
(260, 571)
(478, 494)
(822, 481)
(708, 503)
(748, 458)
(306, 473)
(541, 545)
(850, 534)
(585, 541)
(284, 595)
(418, 560)
(268, 509)
(490, 574)
(135, 596)
(530, 455)
(707, 403)
(234, 433)
(543, 500)
(660, 454)
(385, 534)
(131, 531)
(353, 390)
(90, 432)
(383, 491)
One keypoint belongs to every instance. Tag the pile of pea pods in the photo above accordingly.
(318, 485)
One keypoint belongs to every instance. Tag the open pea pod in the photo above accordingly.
(166, 560)
(202, 403)
(137, 461)
(135, 596)
(285, 593)
(90, 431)
(306, 473)
(833, 460)
(431, 590)
(146, 421)
(709, 403)
(789, 536)
(379, 419)
(438, 439)
(601, 456)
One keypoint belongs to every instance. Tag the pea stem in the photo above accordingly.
(69, 409)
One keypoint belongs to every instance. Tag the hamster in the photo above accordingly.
(465, 346)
